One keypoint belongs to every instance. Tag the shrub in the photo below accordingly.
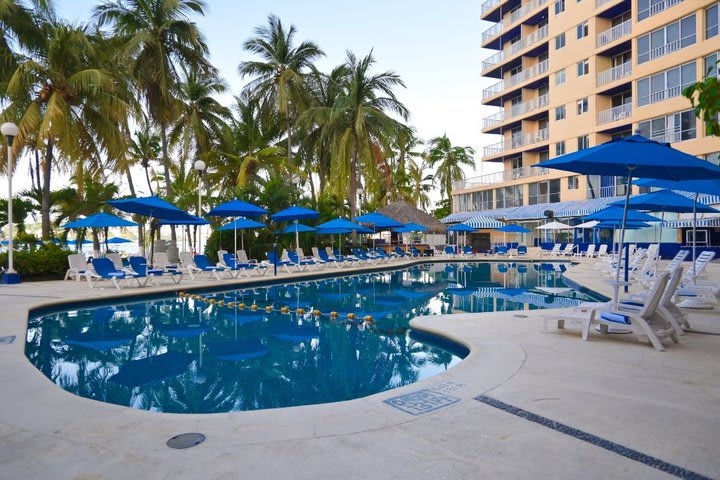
(48, 262)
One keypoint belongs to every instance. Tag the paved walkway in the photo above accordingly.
(664, 408)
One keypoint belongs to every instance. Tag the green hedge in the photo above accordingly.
(48, 262)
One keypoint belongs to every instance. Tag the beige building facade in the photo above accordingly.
(571, 74)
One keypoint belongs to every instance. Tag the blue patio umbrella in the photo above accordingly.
(293, 214)
(411, 227)
(709, 185)
(190, 220)
(615, 224)
(339, 223)
(378, 220)
(614, 213)
(512, 228)
(634, 157)
(296, 228)
(117, 240)
(461, 227)
(153, 207)
(241, 224)
(74, 242)
(100, 220)
(237, 208)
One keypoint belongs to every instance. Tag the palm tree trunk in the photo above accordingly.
(289, 144)
(45, 204)
(37, 169)
(308, 170)
(353, 183)
(166, 171)
(147, 178)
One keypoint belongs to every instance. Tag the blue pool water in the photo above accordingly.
(186, 355)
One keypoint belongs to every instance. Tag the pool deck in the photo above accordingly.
(463, 424)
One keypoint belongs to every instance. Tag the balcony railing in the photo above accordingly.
(614, 114)
(493, 90)
(660, 96)
(529, 106)
(657, 8)
(517, 141)
(668, 135)
(513, 17)
(600, 3)
(615, 73)
(666, 49)
(499, 177)
(612, 34)
(524, 42)
(528, 73)
(488, 5)
(493, 120)
(492, 60)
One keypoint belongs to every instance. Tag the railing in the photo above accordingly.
(492, 60)
(493, 90)
(660, 96)
(528, 73)
(524, 42)
(513, 17)
(615, 73)
(668, 136)
(499, 177)
(614, 114)
(517, 141)
(488, 5)
(657, 8)
(530, 105)
(493, 120)
(612, 34)
(600, 3)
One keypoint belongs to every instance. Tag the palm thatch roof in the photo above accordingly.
(405, 212)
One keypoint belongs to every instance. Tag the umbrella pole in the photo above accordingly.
(694, 230)
(297, 237)
(622, 239)
(235, 238)
(242, 240)
(657, 261)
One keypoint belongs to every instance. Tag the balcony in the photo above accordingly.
(528, 73)
(492, 60)
(488, 5)
(669, 135)
(614, 33)
(516, 47)
(529, 106)
(656, 8)
(613, 74)
(493, 120)
(513, 17)
(499, 177)
(493, 90)
(517, 141)
(602, 3)
(614, 114)
(655, 97)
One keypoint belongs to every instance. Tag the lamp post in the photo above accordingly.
(295, 180)
(10, 130)
(200, 167)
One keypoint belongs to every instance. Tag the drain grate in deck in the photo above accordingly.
(8, 339)
(186, 440)
(421, 402)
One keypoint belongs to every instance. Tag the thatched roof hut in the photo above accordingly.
(404, 212)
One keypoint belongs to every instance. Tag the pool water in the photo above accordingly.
(199, 355)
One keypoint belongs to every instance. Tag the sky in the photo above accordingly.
(433, 46)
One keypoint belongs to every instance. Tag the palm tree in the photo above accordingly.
(65, 102)
(279, 72)
(158, 36)
(17, 25)
(448, 161)
(144, 148)
(362, 118)
(420, 183)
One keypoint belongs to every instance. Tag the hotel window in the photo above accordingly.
(583, 142)
(582, 106)
(560, 77)
(713, 158)
(664, 85)
(582, 30)
(516, 163)
(509, 196)
(560, 112)
(583, 67)
(671, 128)
(573, 182)
(559, 6)
(482, 201)
(711, 21)
(671, 37)
(559, 148)
(544, 192)
(560, 41)
(648, 8)
(711, 66)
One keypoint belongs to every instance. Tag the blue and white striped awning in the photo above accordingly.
(701, 222)
(486, 292)
(483, 222)
(458, 217)
(586, 207)
(537, 211)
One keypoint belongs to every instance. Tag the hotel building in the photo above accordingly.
(571, 74)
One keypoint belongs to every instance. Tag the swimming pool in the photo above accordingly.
(229, 350)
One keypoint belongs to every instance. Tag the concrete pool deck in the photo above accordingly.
(662, 404)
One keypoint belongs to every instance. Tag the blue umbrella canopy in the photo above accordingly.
(614, 213)
(241, 224)
(294, 213)
(100, 220)
(297, 228)
(411, 227)
(330, 231)
(634, 156)
(709, 186)
(154, 207)
(190, 220)
(461, 227)
(118, 240)
(513, 228)
(615, 224)
(236, 208)
(666, 201)
(339, 223)
(378, 220)
(84, 242)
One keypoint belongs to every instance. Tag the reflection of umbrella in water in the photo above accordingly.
(460, 290)
(100, 338)
(296, 333)
(237, 350)
(182, 331)
(555, 290)
(152, 370)
(244, 316)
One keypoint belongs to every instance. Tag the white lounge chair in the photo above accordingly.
(221, 258)
(568, 250)
(78, 266)
(602, 251)
(116, 259)
(242, 257)
(666, 308)
(692, 285)
(160, 260)
(589, 253)
(555, 250)
(188, 262)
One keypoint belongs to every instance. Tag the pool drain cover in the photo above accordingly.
(8, 339)
(186, 440)
(519, 315)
